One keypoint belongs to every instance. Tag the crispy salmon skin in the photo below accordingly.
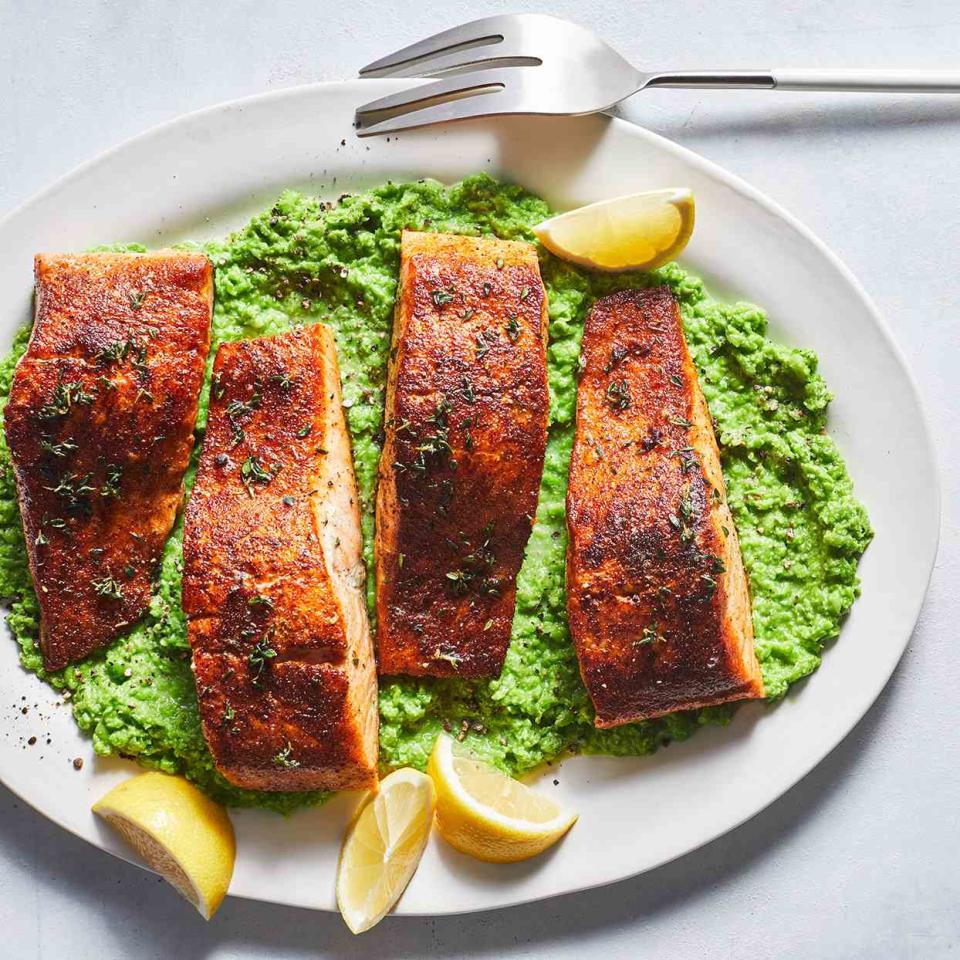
(657, 596)
(466, 430)
(273, 581)
(100, 426)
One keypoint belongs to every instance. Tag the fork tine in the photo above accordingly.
(486, 105)
(449, 87)
(473, 33)
(473, 57)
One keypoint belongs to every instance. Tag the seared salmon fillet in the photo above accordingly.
(273, 580)
(466, 431)
(100, 425)
(657, 596)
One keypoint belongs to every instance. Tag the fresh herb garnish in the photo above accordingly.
(108, 587)
(473, 573)
(716, 563)
(618, 395)
(241, 408)
(111, 483)
(451, 656)
(136, 298)
(440, 297)
(284, 758)
(650, 635)
(73, 490)
(513, 329)
(484, 340)
(64, 397)
(252, 472)
(260, 656)
(115, 352)
(687, 518)
(616, 355)
(435, 446)
(60, 449)
(140, 358)
(687, 457)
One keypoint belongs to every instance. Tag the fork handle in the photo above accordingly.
(866, 81)
(890, 81)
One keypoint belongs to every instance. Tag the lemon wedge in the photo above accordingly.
(180, 832)
(383, 847)
(637, 232)
(486, 814)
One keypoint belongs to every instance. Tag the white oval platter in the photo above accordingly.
(204, 174)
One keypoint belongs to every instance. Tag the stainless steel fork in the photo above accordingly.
(537, 64)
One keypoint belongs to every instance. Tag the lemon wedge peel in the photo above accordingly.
(179, 831)
(639, 231)
(383, 847)
(486, 814)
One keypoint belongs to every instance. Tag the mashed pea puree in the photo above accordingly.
(801, 529)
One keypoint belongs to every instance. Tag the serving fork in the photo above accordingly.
(537, 64)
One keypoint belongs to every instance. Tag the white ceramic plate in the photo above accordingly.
(202, 175)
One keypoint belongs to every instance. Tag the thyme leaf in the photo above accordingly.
(285, 759)
(618, 395)
(441, 297)
(259, 658)
(64, 397)
(108, 587)
(253, 472)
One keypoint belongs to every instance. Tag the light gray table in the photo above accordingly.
(861, 858)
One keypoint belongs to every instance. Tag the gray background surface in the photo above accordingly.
(861, 858)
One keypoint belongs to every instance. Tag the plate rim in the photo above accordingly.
(716, 172)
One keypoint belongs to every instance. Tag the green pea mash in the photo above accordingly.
(801, 530)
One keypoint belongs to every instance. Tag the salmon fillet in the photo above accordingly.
(465, 435)
(273, 581)
(657, 596)
(100, 425)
